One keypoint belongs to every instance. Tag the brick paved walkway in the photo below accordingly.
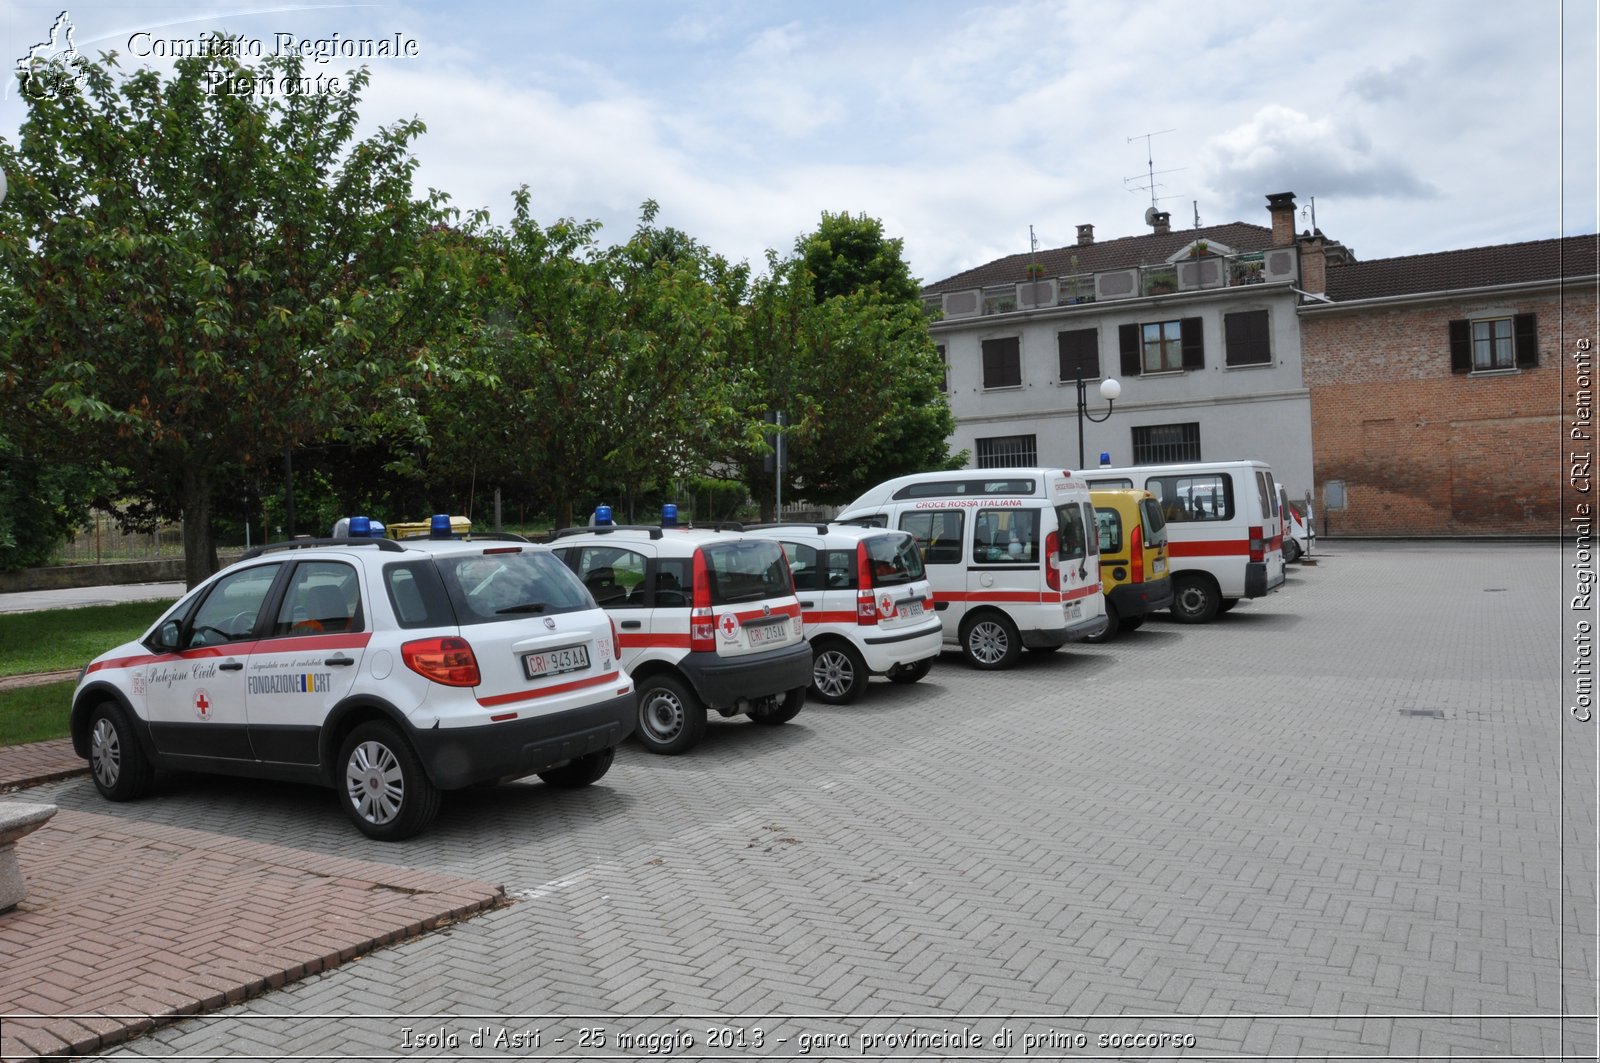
(127, 925)
(39, 762)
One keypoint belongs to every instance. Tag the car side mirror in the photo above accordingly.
(167, 636)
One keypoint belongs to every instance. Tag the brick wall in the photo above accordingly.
(1423, 451)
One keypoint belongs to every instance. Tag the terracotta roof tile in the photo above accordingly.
(1150, 249)
(1473, 267)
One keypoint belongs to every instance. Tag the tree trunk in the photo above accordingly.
(199, 547)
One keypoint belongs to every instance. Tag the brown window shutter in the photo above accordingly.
(1080, 347)
(1128, 339)
(1194, 344)
(1461, 346)
(1525, 328)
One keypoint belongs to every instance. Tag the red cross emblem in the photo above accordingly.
(729, 625)
(202, 704)
(885, 605)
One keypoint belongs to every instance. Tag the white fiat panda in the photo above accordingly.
(866, 602)
(708, 619)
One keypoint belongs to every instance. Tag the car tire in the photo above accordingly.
(785, 710)
(1113, 625)
(1291, 551)
(671, 719)
(838, 673)
(382, 786)
(581, 772)
(990, 642)
(1195, 599)
(120, 768)
(914, 672)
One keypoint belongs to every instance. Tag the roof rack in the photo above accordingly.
(720, 525)
(820, 527)
(606, 529)
(306, 544)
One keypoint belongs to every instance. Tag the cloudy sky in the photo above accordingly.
(1417, 127)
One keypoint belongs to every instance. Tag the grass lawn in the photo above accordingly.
(33, 714)
(53, 640)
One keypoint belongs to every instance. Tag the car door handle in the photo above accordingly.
(808, 605)
(230, 666)
(632, 625)
(340, 660)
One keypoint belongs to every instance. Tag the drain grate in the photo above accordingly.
(1432, 714)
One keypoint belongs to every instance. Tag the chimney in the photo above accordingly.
(1085, 235)
(1281, 206)
(1162, 223)
(1314, 263)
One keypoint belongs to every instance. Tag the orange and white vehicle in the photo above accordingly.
(1224, 530)
(867, 605)
(706, 619)
(1012, 554)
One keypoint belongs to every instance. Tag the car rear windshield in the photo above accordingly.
(482, 588)
(746, 571)
(895, 560)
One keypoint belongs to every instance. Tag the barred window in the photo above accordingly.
(1000, 452)
(1160, 444)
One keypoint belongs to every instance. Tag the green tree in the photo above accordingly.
(586, 369)
(191, 280)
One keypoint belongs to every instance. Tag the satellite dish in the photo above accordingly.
(1150, 215)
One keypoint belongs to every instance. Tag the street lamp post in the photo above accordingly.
(1110, 389)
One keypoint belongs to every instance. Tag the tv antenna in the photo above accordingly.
(1150, 175)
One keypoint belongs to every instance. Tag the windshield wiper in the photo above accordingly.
(525, 607)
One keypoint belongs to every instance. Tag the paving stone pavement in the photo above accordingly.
(1352, 820)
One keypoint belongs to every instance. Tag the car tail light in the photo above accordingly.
(702, 624)
(448, 661)
(1136, 543)
(1258, 545)
(1052, 560)
(866, 601)
(616, 641)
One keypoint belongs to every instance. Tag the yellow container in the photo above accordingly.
(420, 529)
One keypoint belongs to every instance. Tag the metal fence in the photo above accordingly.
(101, 540)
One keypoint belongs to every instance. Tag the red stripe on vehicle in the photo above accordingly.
(544, 692)
(831, 616)
(1081, 592)
(337, 640)
(1031, 597)
(677, 641)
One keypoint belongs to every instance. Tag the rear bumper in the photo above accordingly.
(887, 650)
(721, 681)
(1141, 599)
(1049, 638)
(1257, 583)
(461, 756)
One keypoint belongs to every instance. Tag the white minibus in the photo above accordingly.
(1013, 555)
(1224, 530)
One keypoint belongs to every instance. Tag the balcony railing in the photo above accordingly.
(1199, 273)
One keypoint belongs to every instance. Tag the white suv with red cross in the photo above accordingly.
(867, 604)
(387, 671)
(707, 619)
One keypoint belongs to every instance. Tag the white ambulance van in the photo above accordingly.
(1013, 555)
(1224, 530)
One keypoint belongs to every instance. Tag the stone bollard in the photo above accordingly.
(17, 820)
